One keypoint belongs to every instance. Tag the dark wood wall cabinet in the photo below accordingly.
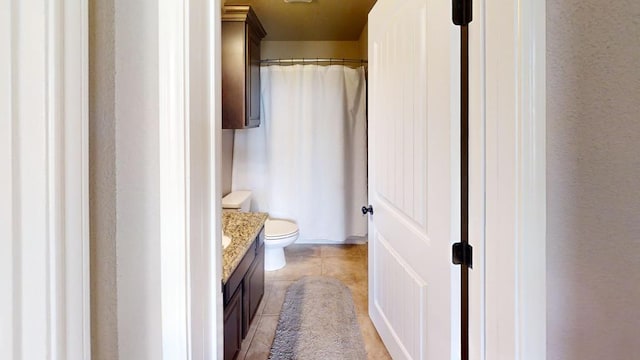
(242, 294)
(241, 36)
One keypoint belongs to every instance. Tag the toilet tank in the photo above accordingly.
(237, 200)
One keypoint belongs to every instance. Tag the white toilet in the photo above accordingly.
(277, 233)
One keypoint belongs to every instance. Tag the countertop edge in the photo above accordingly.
(243, 228)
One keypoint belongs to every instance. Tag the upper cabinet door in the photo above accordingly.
(253, 78)
(241, 36)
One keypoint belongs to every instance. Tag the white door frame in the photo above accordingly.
(190, 183)
(176, 192)
(508, 282)
(174, 117)
(44, 223)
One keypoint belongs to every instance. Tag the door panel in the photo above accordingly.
(397, 280)
(412, 177)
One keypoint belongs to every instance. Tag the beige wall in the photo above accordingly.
(227, 160)
(102, 180)
(124, 179)
(138, 179)
(310, 49)
(364, 42)
(593, 179)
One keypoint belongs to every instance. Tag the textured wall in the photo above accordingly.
(364, 42)
(125, 179)
(102, 180)
(137, 177)
(227, 160)
(593, 176)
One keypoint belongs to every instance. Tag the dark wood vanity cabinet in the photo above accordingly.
(242, 294)
(233, 325)
(254, 286)
(241, 36)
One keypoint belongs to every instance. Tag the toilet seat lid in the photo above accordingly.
(279, 228)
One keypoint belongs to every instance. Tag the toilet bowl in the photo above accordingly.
(278, 233)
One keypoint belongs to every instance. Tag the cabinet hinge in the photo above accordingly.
(463, 254)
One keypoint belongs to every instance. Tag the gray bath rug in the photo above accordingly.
(318, 321)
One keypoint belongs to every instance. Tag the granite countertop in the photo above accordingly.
(242, 228)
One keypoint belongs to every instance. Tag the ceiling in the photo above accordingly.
(336, 20)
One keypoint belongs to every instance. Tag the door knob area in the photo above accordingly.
(366, 210)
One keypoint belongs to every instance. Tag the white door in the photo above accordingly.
(413, 177)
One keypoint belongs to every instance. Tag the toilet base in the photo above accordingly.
(274, 258)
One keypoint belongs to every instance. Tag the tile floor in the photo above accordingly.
(348, 263)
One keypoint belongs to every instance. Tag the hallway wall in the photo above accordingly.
(124, 180)
(102, 180)
(138, 179)
(593, 179)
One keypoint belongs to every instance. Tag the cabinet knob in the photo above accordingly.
(367, 209)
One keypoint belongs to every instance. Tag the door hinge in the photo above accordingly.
(463, 254)
(462, 12)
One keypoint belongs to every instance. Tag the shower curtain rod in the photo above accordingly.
(313, 61)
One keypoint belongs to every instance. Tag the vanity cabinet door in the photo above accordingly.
(242, 293)
(233, 325)
(255, 284)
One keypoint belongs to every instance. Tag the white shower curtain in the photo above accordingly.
(307, 161)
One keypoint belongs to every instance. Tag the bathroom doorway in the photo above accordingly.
(322, 53)
(321, 182)
(509, 61)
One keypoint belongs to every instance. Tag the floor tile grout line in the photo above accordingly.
(253, 337)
